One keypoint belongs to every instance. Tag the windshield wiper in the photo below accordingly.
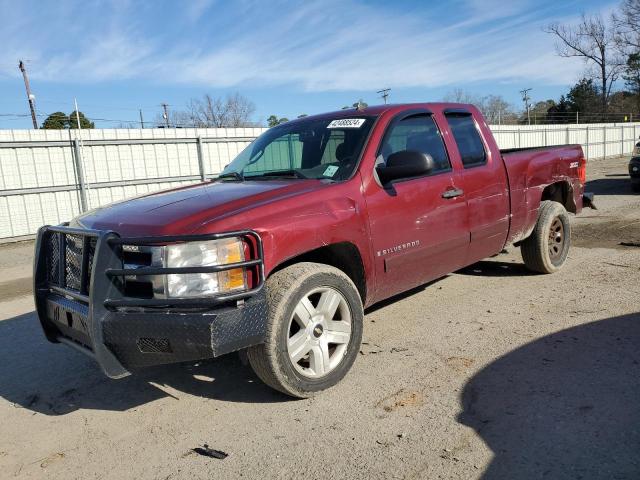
(236, 175)
(278, 173)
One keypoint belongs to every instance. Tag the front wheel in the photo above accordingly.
(314, 329)
(546, 249)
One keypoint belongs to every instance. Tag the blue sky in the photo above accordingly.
(288, 57)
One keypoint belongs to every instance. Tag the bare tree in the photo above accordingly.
(627, 25)
(239, 110)
(495, 108)
(595, 42)
(458, 95)
(232, 111)
(177, 119)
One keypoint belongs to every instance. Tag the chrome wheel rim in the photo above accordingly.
(556, 239)
(319, 332)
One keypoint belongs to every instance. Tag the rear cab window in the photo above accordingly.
(467, 137)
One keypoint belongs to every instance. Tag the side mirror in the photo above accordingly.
(405, 164)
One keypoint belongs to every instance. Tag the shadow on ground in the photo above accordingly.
(494, 268)
(564, 406)
(610, 186)
(56, 380)
(402, 296)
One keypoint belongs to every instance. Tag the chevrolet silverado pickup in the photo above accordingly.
(316, 219)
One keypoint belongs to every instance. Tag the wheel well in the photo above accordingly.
(344, 256)
(560, 192)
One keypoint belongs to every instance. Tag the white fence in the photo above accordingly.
(41, 170)
(598, 140)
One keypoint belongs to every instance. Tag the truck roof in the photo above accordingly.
(376, 110)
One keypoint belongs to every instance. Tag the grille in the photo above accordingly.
(52, 248)
(73, 262)
(69, 248)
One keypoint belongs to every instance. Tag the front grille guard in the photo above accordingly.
(100, 280)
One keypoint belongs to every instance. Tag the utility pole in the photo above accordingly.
(384, 93)
(30, 96)
(525, 99)
(141, 119)
(165, 115)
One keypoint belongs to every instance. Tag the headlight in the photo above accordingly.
(202, 254)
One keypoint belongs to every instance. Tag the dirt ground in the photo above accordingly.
(491, 372)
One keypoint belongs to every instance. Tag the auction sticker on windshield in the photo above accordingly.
(346, 123)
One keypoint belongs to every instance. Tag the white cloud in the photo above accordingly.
(319, 46)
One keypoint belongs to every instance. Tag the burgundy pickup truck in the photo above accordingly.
(315, 220)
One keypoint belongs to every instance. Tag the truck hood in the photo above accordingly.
(183, 210)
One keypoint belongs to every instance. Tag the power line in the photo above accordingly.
(94, 105)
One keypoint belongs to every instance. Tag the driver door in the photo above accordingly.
(419, 226)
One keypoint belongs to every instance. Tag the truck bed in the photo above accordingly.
(530, 171)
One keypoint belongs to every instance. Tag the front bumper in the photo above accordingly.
(80, 301)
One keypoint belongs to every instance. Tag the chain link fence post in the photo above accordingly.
(82, 187)
(200, 157)
(587, 144)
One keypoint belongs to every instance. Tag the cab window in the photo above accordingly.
(418, 133)
(468, 139)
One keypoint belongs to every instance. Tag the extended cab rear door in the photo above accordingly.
(419, 226)
(484, 181)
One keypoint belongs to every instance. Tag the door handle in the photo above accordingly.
(452, 193)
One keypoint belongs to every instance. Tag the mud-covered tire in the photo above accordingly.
(546, 249)
(286, 290)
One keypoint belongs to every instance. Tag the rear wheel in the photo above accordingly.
(314, 330)
(546, 249)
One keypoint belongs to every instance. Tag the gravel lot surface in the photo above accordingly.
(491, 372)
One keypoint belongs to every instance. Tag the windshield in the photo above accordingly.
(318, 149)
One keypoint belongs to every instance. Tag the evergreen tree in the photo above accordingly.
(84, 121)
(273, 121)
(56, 121)
(584, 97)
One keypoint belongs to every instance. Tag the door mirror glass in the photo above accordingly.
(405, 164)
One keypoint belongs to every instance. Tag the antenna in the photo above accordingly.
(384, 93)
(527, 105)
